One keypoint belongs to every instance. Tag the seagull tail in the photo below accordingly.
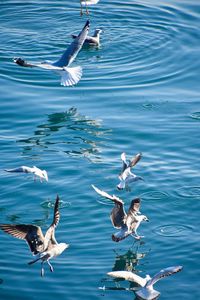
(70, 76)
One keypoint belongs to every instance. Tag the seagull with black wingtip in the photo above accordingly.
(146, 290)
(127, 223)
(42, 174)
(45, 247)
(69, 75)
(126, 176)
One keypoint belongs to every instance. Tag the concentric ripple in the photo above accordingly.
(171, 230)
(154, 196)
(195, 115)
(189, 191)
(51, 204)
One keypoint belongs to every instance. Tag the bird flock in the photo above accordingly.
(44, 247)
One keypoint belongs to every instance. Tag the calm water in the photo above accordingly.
(139, 93)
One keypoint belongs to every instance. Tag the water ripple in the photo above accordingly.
(188, 191)
(68, 132)
(195, 115)
(173, 230)
(154, 196)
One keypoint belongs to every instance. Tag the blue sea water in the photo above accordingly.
(139, 93)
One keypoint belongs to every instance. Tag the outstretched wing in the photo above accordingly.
(164, 273)
(135, 160)
(117, 214)
(106, 195)
(130, 276)
(134, 206)
(70, 54)
(30, 233)
(124, 163)
(50, 234)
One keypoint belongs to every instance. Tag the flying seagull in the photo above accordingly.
(127, 223)
(42, 174)
(146, 291)
(45, 247)
(126, 176)
(91, 40)
(69, 75)
(86, 3)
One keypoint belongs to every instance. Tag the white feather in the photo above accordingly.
(70, 76)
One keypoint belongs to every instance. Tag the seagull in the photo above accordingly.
(42, 174)
(91, 40)
(146, 291)
(86, 3)
(126, 176)
(127, 223)
(45, 247)
(69, 75)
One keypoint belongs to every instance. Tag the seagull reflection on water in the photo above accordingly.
(130, 261)
(68, 132)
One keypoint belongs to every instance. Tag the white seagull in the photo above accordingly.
(127, 223)
(69, 75)
(44, 246)
(146, 291)
(86, 3)
(42, 174)
(91, 40)
(126, 176)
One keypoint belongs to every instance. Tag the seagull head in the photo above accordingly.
(40, 173)
(97, 31)
(141, 218)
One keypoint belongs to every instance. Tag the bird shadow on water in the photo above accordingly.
(68, 132)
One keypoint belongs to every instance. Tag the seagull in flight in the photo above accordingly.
(126, 176)
(42, 174)
(69, 75)
(93, 40)
(127, 223)
(45, 247)
(86, 3)
(146, 290)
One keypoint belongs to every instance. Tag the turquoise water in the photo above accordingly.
(139, 93)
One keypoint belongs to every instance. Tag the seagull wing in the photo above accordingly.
(164, 273)
(130, 276)
(70, 54)
(124, 163)
(23, 169)
(106, 195)
(31, 233)
(117, 214)
(134, 206)
(135, 160)
(50, 234)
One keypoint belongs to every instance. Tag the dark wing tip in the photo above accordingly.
(56, 211)
(136, 200)
(135, 204)
(87, 23)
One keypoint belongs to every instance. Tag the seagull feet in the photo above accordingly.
(50, 266)
(138, 237)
